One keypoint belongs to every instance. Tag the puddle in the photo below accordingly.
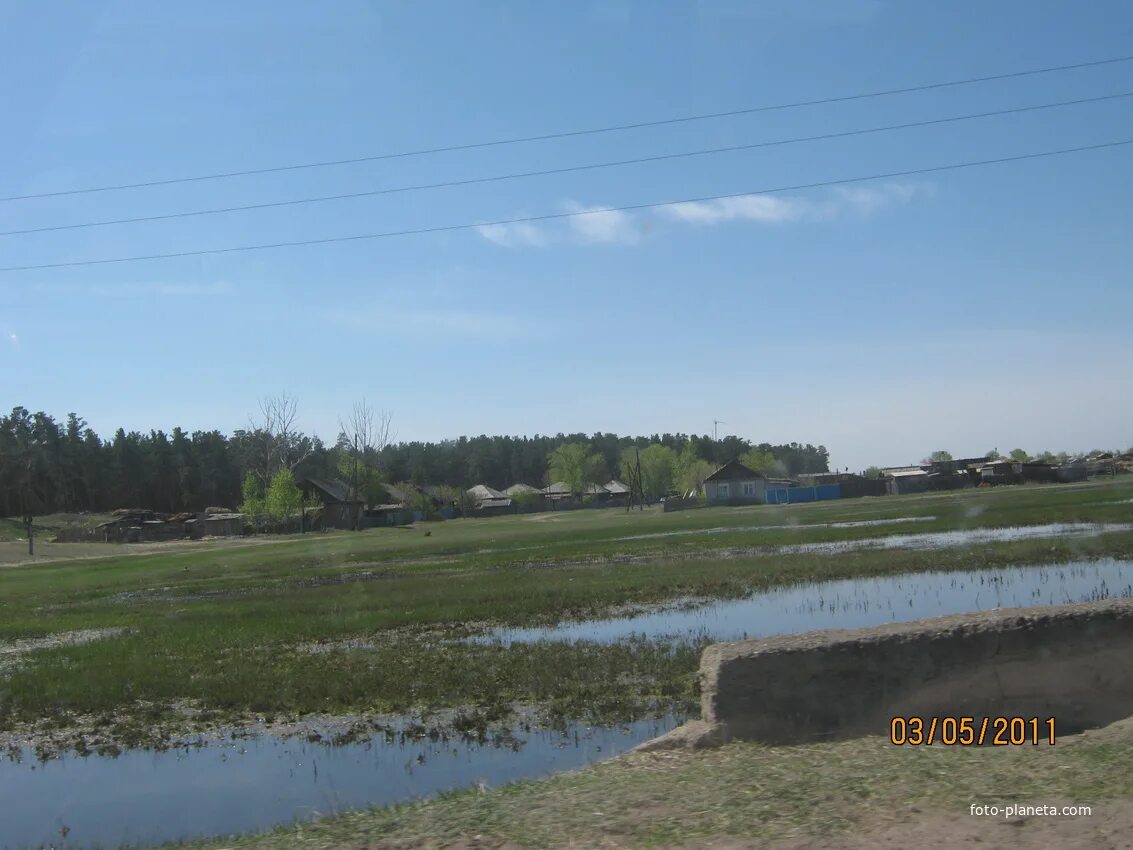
(335, 646)
(853, 603)
(145, 797)
(961, 537)
(780, 527)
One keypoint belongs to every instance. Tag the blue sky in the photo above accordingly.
(965, 310)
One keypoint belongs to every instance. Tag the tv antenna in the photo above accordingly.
(715, 424)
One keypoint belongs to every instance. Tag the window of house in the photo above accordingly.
(722, 491)
(749, 488)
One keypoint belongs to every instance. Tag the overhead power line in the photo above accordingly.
(563, 170)
(566, 215)
(573, 133)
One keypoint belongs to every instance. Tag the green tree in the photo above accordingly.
(993, 455)
(576, 466)
(658, 468)
(25, 463)
(252, 503)
(363, 476)
(691, 470)
(416, 499)
(527, 502)
(449, 496)
(762, 460)
(75, 491)
(940, 456)
(283, 499)
(596, 471)
(871, 472)
(1019, 456)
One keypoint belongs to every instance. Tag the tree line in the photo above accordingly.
(501, 461)
(48, 465)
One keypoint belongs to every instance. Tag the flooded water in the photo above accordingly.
(961, 537)
(854, 603)
(798, 526)
(144, 797)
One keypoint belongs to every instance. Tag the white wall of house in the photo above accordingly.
(750, 490)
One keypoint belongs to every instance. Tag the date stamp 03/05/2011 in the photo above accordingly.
(957, 731)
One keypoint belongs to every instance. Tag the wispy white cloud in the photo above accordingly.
(514, 235)
(14, 339)
(766, 209)
(772, 209)
(866, 200)
(594, 224)
(599, 225)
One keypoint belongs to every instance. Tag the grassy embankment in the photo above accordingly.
(227, 627)
(744, 795)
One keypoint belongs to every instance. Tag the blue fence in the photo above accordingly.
(792, 495)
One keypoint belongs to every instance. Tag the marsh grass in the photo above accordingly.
(230, 628)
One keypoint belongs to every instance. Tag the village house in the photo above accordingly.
(619, 493)
(595, 496)
(521, 490)
(340, 508)
(525, 498)
(557, 495)
(735, 484)
(487, 501)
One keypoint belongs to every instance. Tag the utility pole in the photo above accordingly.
(715, 424)
(640, 483)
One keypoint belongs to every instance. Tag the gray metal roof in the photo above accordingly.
(516, 489)
(339, 491)
(733, 470)
(482, 491)
(905, 473)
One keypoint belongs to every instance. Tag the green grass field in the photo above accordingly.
(226, 626)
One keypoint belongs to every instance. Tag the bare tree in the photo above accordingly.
(362, 437)
(283, 446)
